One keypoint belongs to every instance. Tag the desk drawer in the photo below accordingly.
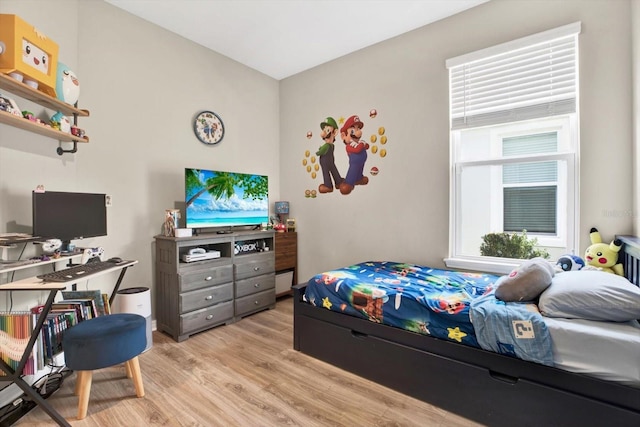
(255, 302)
(201, 298)
(206, 317)
(255, 284)
(205, 278)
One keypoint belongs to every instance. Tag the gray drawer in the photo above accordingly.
(255, 302)
(254, 265)
(201, 298)
(206, 317)
(205, 278)
(255, 284)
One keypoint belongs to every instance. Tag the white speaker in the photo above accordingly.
(136, 301)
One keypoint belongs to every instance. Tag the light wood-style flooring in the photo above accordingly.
(244, 374)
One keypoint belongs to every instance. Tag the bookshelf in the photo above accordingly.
(33, 284)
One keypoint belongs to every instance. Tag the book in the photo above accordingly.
(96, 295)
(15, 331)
(107, 306)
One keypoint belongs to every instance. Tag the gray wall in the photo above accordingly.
(143, 85)
(403, 213)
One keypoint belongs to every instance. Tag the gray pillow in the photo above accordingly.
(526, 282)
(591, 295)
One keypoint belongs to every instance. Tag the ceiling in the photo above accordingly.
(281, 38)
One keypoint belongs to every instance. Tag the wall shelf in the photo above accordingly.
(28, 125)
(22, 90)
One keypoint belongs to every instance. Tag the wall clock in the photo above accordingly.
(208, 127)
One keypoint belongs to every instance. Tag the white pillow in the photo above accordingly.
(591, 295)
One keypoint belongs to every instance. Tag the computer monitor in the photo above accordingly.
(69, 216)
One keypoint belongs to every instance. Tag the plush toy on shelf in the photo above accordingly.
(28, 55)
(603, 256)
(60, 122)
(67, 85)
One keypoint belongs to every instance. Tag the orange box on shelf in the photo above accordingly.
(27, 54)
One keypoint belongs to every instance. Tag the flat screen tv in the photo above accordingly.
(68, 216)
(216, 199)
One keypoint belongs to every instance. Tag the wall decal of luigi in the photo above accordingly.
(329, 132)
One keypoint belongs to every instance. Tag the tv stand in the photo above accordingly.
(196, 296)
(224, 232)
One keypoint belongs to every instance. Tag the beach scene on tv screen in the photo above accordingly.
(219, 199)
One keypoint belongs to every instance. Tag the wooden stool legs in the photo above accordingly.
(133, 366)
(83, 385)
(83, 389)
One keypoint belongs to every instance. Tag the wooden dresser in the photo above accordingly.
(194, 296)
(286, 252)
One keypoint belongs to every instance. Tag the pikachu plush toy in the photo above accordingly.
(603, 256)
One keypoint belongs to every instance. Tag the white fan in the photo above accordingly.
(51, 245)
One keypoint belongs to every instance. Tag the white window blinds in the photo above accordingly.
(532, 77)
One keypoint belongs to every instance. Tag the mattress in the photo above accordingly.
(606, 350)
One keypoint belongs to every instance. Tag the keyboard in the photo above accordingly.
(79, 271)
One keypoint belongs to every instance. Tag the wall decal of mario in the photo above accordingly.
(351, 132)
(327, 160)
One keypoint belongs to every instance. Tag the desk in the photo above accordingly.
(35, 284)
(6, 268)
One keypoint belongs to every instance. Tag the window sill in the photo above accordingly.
(481, 265)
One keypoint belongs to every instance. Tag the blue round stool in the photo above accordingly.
(102, 342)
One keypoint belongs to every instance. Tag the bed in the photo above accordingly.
(447, 367)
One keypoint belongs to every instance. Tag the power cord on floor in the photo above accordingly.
(46, 385)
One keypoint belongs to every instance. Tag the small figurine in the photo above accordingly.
(76, 131)
(62, 122)
(29, 115)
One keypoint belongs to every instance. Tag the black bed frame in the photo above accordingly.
(486, 387)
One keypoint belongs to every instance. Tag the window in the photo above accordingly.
(514, 146)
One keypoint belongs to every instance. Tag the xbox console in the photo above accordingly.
(199, 254)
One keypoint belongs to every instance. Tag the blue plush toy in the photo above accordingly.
(67, 85)
(569, 262)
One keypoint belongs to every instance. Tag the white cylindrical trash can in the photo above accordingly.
(136, 301)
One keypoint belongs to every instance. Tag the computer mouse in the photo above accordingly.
(115, 260)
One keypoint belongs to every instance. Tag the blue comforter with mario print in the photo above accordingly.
(408, 296)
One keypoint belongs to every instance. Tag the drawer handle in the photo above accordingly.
(257, 285)
(256, 268)
(210, 316)
(208, 297)
(359, 335)
(256, 302)
(208, 278)
(503, 377)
